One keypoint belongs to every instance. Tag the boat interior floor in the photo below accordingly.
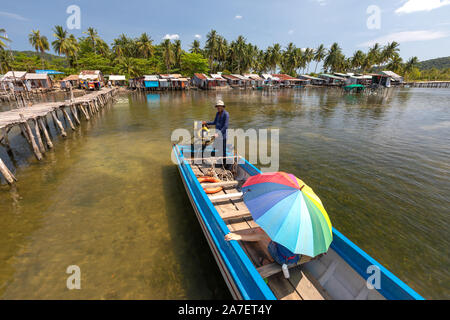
(301, 285)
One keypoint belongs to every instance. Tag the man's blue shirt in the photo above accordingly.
(221, 122)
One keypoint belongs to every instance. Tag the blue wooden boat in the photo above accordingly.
(247, 267)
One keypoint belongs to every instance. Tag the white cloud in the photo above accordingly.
(12, 15)
(406, 36)
(198, 36)
(321, 2)
(421, 5)
(291, 31)
(238, 17)
(171, 36)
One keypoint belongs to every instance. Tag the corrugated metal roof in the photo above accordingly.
(151, 78)
(282, 76)
(72, 77)
(391, 74)
(230, 77)
(10, 75)
(240, 77)
(310, 77)
(117, 78)
(36, 76)
(200, 76)
(253, 76)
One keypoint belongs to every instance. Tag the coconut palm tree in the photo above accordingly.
(319, 55)
(168, 55)
(357, 60)
(195, 47)
(396, 64)
(40, 43)
(410, 65)
(177, 52)
(5, 61)
(289, 59)
(61, 44)
(309, 56)
(127, 66)
(335, 59)
(3, 39)
(93, 37)
(222, 50)
(389, 51)
(374, 55)
(145, 45)
(72, 50)
(211, 44)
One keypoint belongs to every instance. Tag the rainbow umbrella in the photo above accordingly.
(289, 212)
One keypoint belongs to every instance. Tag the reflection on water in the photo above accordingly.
(109, 200)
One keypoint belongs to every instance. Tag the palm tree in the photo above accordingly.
(211, 46)
(72, 50)
(374, 55)
(93, 37)
(145, 45)
(127, 66)
(389, 51)
(274, 56)
(3, 39)
(396, 64)
(289, 59)
(177, 52)
(61, 44)
(309, 56)
(357, 60)
(222, 50)
(319, 55)
(168, 55)
(40, 43)
(5, 61)
(335, 59)
(410, 65)
(195, 47)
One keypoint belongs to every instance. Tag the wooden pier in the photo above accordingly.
(33, 122)
(427, 84)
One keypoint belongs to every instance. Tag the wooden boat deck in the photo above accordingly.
(301, 285)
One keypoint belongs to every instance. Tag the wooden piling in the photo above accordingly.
(46, 135)
(58, 123)
(38, 137)
(31, 140)
(68, 118)
(9, 177)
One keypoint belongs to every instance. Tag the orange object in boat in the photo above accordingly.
(210, 179)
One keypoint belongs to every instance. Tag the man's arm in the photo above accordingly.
(212, 123)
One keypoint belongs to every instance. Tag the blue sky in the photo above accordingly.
(422, 27)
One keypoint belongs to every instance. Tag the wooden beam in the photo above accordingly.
(226, 196)
(46, 135)
(9, 177)
(59, 124)
(223, 184)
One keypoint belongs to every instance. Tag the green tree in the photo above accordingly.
(319, 55)
(335, 59)
(145, 45)
(193, 63)
(3, 39)
(93, 37)
(168, 55)
(195, 47)
(177, 52)
(40, 43)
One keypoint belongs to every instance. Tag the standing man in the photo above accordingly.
(221, 122)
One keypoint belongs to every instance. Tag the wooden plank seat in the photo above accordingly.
(223, 184)
(273, 268)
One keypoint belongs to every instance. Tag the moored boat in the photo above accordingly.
(247, 267)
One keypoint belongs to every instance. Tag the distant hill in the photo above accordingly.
(438, 63)
(47, 56)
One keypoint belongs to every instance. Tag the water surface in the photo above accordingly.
(109, 200)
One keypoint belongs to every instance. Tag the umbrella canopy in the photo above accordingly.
(289, 212)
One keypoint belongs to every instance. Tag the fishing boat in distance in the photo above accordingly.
(248, 268)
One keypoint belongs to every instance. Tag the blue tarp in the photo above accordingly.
(49, 72)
